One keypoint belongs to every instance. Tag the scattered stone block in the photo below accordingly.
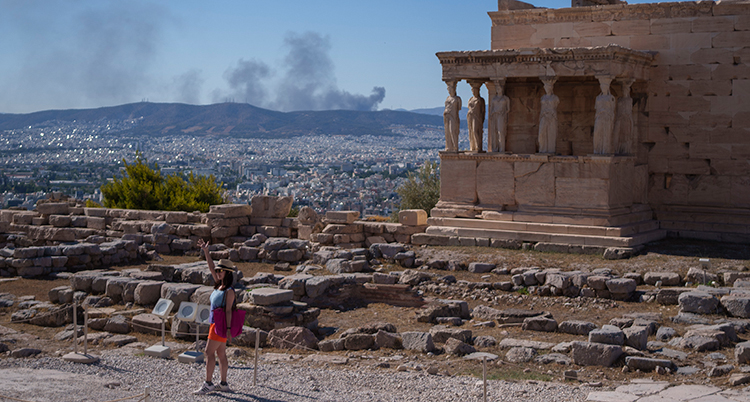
(419, 341)
(576, 327)
(698, 302)
(411, 217)
(742, 352)
(666, 278)
(737, 305)
(539, 323)
(456, 347)
(270, 296)
(520, 355)
(636, 337)
(293, 338)
(608, 334)
(359, 342)
(648, 364)
(595, 354)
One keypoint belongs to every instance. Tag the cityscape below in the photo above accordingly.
(325, 172)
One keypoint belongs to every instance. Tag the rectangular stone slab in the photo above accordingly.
(270, 296)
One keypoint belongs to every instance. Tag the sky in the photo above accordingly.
(280, 55)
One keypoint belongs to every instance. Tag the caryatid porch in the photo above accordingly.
(561, 139)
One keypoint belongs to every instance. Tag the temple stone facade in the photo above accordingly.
(608, 125)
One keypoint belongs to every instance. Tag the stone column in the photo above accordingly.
(475, 117)
(624, 132)
(451, 120)
(548, 117)
(604, 123)
(498, 124)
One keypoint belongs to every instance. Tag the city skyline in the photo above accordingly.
(304, 56)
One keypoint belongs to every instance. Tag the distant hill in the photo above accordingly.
(230, 119)
(438, 111)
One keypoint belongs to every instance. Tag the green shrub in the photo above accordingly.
(144, 187)
(421, 189)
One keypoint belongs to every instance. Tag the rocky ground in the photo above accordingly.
(390, 374)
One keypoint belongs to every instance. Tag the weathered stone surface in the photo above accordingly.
(480, 267)
(742, 352)
(636, 336)
(698, 302)
(595, 354)
(664, 334)
(116, 288)
(699, 343)
(117, 324)
(511, 342)
(539, 323)
(178, 292)
(316, 286)
(648, 364)
(293, 338)
(359, 342)
(666, 278)
(24, 352)
(147, 292)
(385, 339)
(418, 341)
(147, 324)
(608, 334)
(558, 358)
(441, 334)
(485, 341)
(119, 340)
(412, 277)
(520, 354)
(736, 305)
(342, 217)
(621, 288)
(458, 348)
(270, 296)
(330, 345)
(576, 327)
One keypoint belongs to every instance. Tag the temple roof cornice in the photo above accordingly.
(613, 60)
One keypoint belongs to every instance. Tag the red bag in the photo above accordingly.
(220, 319)
(220, 322)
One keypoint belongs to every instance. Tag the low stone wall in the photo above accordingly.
(63, 236)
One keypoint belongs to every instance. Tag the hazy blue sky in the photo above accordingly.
(282, 55)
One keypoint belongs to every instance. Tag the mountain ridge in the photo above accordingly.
(233, 119)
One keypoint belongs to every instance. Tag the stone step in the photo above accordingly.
(568, 217)
(562, 238)
(617, 231)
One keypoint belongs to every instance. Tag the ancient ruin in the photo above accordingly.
(625, 124)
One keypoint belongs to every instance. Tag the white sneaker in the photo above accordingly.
(206, 388)
(222, 388)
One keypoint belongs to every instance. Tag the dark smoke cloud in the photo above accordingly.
(84, 56)
(188, 87)
(308, 81)
(246, 81)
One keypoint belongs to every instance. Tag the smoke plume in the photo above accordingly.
(307, 80)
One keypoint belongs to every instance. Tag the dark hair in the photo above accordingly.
(227, 282)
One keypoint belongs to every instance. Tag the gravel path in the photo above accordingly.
(120, 373)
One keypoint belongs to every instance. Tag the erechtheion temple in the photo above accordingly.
(609, 125)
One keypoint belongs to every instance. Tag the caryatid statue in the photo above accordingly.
(548, 117)
(604, 122)
(475, 118)
(623, 133)
(450, 118)
(499, 108)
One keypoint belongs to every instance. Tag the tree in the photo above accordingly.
(421, 189)
(144, 187)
